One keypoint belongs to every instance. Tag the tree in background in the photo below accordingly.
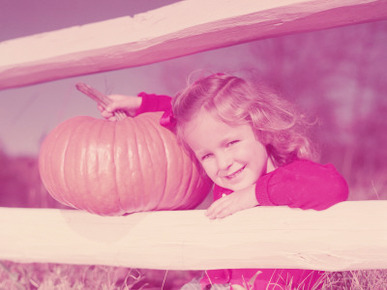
(21, 185)
(339, 76)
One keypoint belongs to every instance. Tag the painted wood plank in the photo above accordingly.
(183, 28)
(347, 236)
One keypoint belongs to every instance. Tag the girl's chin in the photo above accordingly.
(240, 182)
(239, 186)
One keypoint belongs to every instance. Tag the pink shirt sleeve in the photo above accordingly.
(153, 103)
(300, 184)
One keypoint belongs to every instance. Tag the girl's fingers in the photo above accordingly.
(214, 208)
(230, 204)
(222, 213)
(221, 208)
(122, 103)
(100, 108)
(106, 114)
(112, 107)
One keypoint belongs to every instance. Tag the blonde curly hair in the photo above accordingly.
(275, 122)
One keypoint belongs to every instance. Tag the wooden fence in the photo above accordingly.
(170, 32)
(347, 236)
(350, 235)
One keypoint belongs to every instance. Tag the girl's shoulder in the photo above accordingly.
(303, 184)
(304, 164)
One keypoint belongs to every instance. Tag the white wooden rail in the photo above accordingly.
(179, 29)
(350, 235)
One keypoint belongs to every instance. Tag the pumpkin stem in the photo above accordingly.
(99, 97)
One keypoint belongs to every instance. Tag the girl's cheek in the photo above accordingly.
(208, 168)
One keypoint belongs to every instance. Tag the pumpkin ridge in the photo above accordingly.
(45, 166)
(115, 173)
(185, 199)
(195, 187)
(106, 169)
(184, 186)
(137, 137)
(53, 171)
(84, 128)
(91, 165)
(153, 123)
(151, 183)
(136, 174)
(63, 171)
(127, 158)
(169, 144)
(198, 186)
(62, 167)
(65, 167)
(69, 156)
(147, 152)
(190, 184)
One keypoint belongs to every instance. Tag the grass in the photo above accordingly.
(58, 276)
(357, 280)
(48, 276)
(20, 276)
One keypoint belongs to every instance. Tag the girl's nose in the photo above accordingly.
(224, 161)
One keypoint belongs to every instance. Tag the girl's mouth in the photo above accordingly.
(235, 174)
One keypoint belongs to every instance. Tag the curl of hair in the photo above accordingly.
(275, 121)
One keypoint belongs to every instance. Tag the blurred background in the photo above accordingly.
(337, 75)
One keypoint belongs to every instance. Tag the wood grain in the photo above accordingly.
(170, 32)
(347, 236)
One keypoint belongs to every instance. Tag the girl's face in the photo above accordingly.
(231, 155)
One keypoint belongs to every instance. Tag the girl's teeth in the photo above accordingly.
(235, 173)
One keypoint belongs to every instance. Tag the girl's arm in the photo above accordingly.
(134, 106)
(302, 184)
(153, 103)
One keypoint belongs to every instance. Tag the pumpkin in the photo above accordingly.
(114, 168)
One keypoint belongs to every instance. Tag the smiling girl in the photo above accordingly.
(252, 144)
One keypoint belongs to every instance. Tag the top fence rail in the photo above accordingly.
(159, 35)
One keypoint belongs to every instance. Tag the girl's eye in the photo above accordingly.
(232, 143)
(204, 157)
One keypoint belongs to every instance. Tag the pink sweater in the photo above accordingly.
(300, 184)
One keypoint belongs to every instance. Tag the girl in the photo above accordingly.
(252, 144)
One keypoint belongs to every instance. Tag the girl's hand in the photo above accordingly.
(236, 201)
(128, 104)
